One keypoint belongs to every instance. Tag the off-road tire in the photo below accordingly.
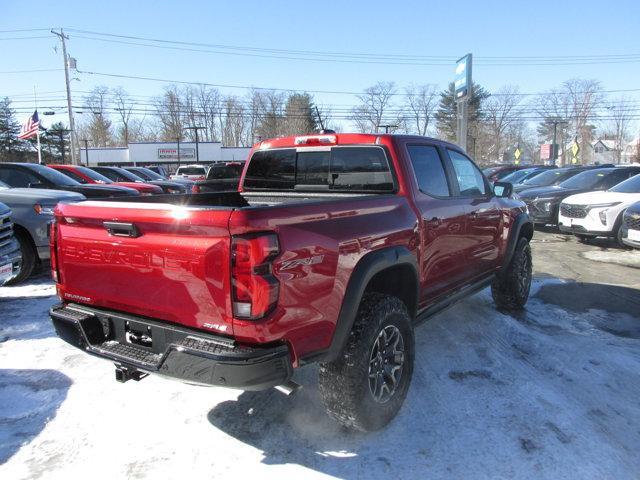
(29, 258)
(510, 289)
(345, 384)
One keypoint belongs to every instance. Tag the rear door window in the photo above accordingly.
(429, 170)
(17, 177)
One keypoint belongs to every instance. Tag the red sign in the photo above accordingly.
(546, 151)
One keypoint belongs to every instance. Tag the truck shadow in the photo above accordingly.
(482, 398)
(24, 310)
(29, 399)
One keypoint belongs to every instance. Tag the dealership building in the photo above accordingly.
(163, 153)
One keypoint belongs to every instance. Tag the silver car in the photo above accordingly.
(32, 213)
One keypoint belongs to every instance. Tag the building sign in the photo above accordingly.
(546, 151)
(462, 80)
(169, 153)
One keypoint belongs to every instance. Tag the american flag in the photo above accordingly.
(30, 127)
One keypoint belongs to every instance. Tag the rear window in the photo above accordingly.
(221, 172)
(190, 171)
(341, 169)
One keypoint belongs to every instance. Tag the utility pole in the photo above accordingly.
(178, 141)
(387, 127)
(463, 90)
(195, 128)
(554, 149)
(86, 151)
(64, 37)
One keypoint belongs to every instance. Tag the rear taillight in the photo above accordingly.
(195, 188)
(53, 246)
(254, 288)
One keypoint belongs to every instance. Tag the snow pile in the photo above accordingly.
(549, 393)
(628, 258)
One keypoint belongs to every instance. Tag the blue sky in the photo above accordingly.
(490, 28)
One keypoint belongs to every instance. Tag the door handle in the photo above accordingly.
(434, 222)
(119, 229)
(473, 215)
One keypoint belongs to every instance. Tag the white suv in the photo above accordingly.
(599, 214)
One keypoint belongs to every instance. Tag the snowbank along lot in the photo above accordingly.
(549, 393)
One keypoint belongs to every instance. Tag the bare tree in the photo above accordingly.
(375, 103)
(99, 126)
(124, 108)
(585, 96)
(233, 122)
(500, 113)
(271, 113)
(621, 114)
(421, 102)
(170, 112)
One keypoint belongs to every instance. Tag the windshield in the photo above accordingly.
(146, 174)
(118, 174)
(631, 185)
(549, 177)
(518, 175)
(54, 176)
(588, 179)
(95, 176)
(347, 169)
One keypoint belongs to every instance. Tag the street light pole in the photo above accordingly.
(86, 150)
(195, 128)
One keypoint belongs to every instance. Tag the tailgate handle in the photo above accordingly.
(119, 229)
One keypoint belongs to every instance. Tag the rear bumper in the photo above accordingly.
(181, 353)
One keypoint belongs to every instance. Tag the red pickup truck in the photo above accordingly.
(333, 248)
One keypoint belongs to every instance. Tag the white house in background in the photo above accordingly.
(165, 153)
(631, 151)
(604, 151)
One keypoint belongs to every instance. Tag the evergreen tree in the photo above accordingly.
(9, 131)
(447, 113)
(299, 114)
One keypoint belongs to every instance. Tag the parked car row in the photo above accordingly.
(588, 202)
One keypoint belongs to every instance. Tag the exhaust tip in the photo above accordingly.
(288, 388)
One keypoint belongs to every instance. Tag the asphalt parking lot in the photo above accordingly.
(551, 392)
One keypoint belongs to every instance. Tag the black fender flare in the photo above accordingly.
(367, 267)
(522, 220)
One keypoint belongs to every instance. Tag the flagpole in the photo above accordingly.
(35, 100)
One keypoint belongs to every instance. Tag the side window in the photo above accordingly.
(429, 170)
(17, 178)
(470, 180)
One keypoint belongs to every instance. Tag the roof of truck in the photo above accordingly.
(327, 139)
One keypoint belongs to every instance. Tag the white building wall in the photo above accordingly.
(152, 153)
(104, 155)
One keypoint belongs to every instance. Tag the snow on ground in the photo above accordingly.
(630, 258)
(549, 393)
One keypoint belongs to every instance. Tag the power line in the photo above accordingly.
(33, 71)
(24, 38)
(351, 57)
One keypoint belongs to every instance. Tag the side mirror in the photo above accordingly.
(503, 189)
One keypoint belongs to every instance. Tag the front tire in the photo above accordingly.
(510, 289)
(29, 259)
(365, 387)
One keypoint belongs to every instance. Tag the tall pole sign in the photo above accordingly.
(462, 87)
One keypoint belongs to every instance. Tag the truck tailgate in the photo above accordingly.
(158, 260)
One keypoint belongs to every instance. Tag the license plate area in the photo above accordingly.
(138, 334)
(6, 271)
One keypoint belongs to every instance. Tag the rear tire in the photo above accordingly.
(510, 290)
(365, 387)
(29, 258)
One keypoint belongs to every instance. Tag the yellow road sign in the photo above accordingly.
(517, 154)
(575, 148)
